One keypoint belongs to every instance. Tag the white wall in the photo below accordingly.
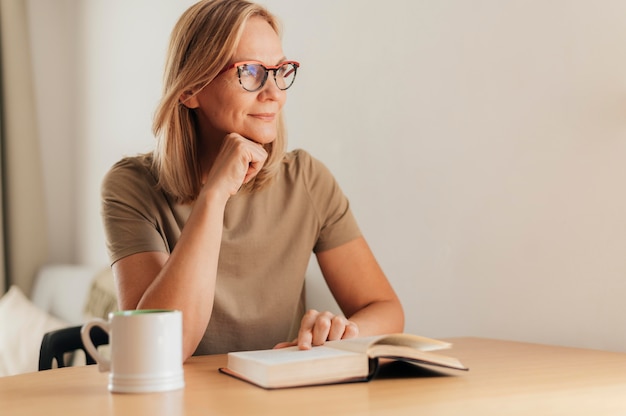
(481, 144)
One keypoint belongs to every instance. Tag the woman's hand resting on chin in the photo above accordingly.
(238, 162)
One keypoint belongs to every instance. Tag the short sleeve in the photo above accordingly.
(337, 222)
(129, 198)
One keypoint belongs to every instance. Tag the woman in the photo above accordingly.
(219, 221)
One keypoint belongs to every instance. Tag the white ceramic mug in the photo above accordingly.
(146, 350)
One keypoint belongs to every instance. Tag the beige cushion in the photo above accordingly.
(22, 327)
(102, 297)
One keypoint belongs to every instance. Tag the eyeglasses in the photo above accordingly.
(252, 74)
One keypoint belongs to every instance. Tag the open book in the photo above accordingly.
(343, 361)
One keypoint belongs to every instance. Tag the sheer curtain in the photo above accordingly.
(23, 212)
(3, 274)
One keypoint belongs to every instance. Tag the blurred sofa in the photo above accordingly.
(63, 295)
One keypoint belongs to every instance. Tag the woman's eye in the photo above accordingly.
(251, 70)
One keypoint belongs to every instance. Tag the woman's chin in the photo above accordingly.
(263, 140)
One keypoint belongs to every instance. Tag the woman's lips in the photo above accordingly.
(264, 116)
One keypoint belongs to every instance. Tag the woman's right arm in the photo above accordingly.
(185, 279)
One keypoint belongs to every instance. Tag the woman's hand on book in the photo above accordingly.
(318, 327)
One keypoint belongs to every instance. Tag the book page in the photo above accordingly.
(286, 355)
(399, 352)
(362, 344)
(405, 347)
(413, 341)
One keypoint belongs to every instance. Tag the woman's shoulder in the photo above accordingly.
(131, 172)
(132, 165)
(301, 159)
(301, 163)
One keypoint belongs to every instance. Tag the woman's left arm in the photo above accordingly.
(363, 293)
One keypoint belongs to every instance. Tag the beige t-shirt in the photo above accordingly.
(267, 242)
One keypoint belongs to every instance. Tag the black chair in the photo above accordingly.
(56, 344)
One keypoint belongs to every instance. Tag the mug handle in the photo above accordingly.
(103, 363)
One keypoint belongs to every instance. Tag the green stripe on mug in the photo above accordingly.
(142, 311)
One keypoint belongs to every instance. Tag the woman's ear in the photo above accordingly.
(189, 99)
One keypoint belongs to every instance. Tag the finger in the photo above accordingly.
(286, 344)
(351, 331)
(305, 334)
(338, 325)
(322, 328)
(256, 161)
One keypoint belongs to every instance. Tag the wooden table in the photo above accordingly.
(505, 378)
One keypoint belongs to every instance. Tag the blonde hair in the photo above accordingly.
(202, 43)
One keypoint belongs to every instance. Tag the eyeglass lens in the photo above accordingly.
(253, 76)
